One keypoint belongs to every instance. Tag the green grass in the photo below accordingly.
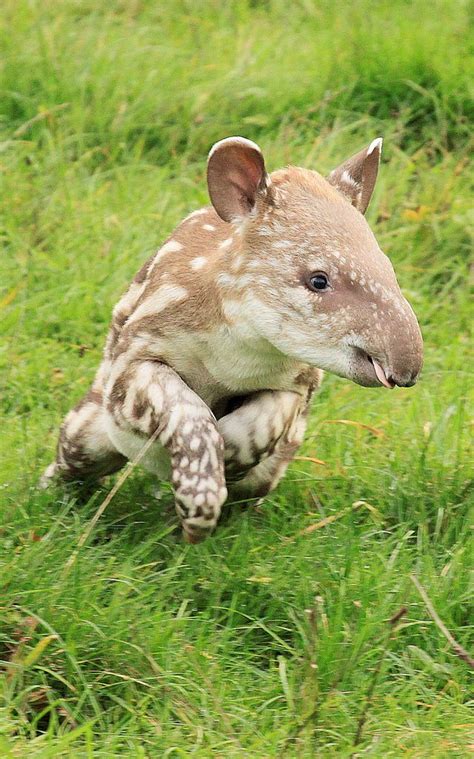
(249, 645)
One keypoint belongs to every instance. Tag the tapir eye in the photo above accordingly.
(318, 281)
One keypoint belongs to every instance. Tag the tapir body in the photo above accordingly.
(217, 347)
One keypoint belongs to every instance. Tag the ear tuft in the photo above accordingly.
(355, 178)
(236, 176)
(375, 145)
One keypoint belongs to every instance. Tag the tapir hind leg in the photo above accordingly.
(85, 451)
(261, 437)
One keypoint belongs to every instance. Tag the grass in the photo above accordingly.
(262, 641)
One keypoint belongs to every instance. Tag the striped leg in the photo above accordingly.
(147, 398)
(261, 437)
(85, 451)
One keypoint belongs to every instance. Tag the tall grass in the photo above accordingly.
(262, 641)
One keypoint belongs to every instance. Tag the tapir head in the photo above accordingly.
(318, 287)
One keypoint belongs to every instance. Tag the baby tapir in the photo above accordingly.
(218, 345)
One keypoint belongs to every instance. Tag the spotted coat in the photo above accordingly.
(218, 344)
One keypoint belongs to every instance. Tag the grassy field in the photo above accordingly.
(265, 640)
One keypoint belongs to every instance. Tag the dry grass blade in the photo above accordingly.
(330, 519)
(324, 522)
(457, 648)
(45, 113)
(310, 458)
(351, 423)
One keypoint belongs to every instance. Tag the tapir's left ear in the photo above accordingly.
(355, 178)
(236, 177)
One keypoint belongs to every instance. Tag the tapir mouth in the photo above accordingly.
(380, 374)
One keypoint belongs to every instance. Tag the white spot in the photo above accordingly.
(187, 428)
(159, 301)
(195, 214)
(237, 263)
(282, 244)
(198, 263)
(226, 243)
(211, 499)
(212, 484)
(171, 426)
(203, 483)
(255, 264)
(188, 482)
(248, 279)
(204, 462)
(375, 145)
(195, 443)
(145, 375)
(172, 246)
(156, 397)
(226, 280)
(76, 419)
(209, 227)
(128, 301)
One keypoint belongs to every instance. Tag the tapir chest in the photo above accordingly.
(218, 368)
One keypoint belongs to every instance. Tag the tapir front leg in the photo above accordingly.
(148, 398)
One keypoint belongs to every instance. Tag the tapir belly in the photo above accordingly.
(129, 444)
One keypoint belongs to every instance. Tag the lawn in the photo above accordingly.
(270, 639)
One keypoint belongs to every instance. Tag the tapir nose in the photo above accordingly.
(405, 358)
(405, 380)
(400, 357)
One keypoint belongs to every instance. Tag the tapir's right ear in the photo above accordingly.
(236, 176)
(355, 178)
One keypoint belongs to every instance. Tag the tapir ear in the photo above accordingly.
(236, 176)
(356, 177)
